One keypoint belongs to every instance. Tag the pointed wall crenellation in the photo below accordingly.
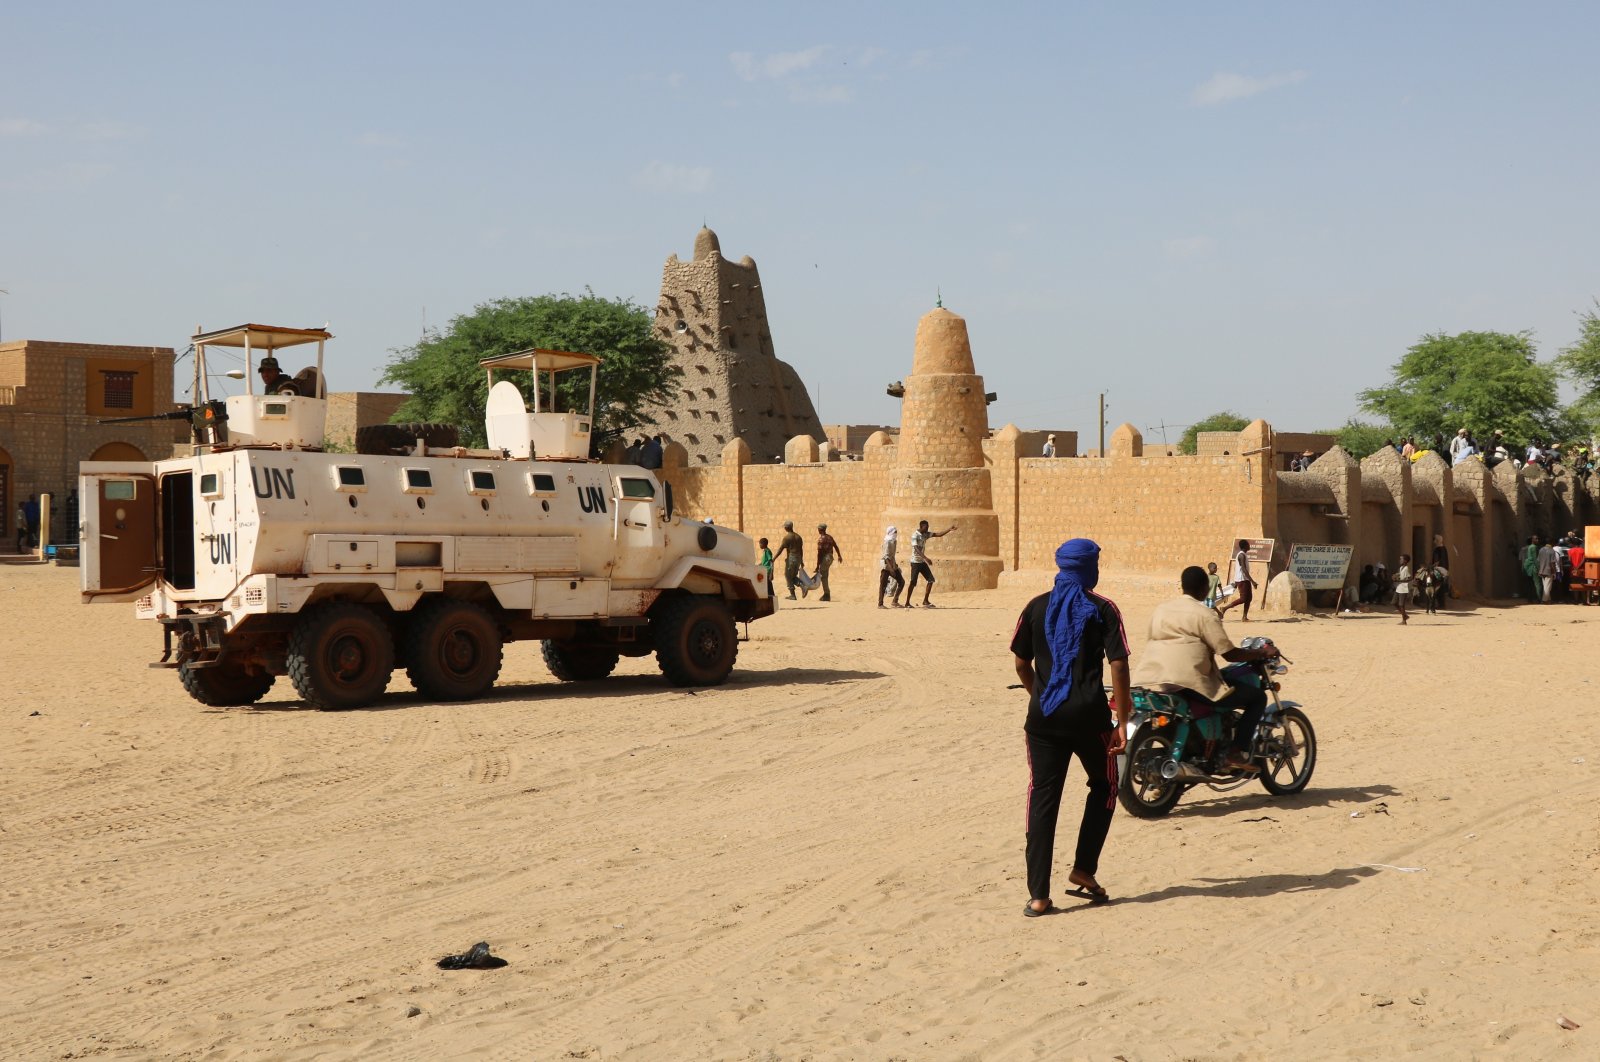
(1126, 441)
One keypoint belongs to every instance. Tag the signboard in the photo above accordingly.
(1321, 567)
(1260, 552)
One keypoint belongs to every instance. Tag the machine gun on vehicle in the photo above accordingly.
(208, 420)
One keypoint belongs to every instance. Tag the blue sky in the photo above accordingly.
(1191, 206)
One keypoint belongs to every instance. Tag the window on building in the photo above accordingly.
(118, 389)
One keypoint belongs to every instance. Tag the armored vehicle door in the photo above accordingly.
(117, 534)
(214, 545)
(639, 532)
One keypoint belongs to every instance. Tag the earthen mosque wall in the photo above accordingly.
(1154, 514)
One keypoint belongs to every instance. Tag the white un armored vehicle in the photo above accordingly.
(264, 555)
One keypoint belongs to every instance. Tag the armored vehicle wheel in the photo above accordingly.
(453, 649)
(1288, 753)
(402, 438)
(696, 642)
(340, 655)
(578, 663)
(1142, 789)
(225, 686)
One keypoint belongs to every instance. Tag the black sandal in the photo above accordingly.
(1032, 912)
(1094, 892)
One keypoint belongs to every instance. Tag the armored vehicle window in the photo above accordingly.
(351, 476)
(541, 483)
(638, 488)
(275, 409)
(211, 485)
(481, 481)
(419, 479)
(121, 489)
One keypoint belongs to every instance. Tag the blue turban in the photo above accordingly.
(1066, 614)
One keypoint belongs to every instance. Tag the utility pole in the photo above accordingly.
(1102, 424)
(3, 291)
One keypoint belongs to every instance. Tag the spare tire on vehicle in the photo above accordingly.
(402, 438)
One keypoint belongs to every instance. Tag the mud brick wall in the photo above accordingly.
(349, 410)
(849, 496)
(1150, 513)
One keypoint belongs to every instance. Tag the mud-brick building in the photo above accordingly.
(53, 397)
(714, 314)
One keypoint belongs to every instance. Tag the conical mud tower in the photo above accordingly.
(939, 473)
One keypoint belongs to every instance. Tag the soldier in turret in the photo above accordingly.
(273, 378)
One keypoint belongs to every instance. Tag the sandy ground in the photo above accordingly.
(821, 859)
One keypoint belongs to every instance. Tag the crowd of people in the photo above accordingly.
(1581, 458)
(797, 580)
(1551, 567)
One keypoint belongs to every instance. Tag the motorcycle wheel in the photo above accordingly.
(1287, 752)
(1141, 789)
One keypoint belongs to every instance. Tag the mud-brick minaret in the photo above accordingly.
(939, 473)
(714, 314)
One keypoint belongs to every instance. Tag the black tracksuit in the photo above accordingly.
(1082, 726)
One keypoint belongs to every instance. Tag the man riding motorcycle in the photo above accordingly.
(1179, 657)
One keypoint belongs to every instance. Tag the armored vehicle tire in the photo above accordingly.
(453, 649)
(696, 642)
(402, 438)
(1141, 789)
(578, 663)
(225, 686)
(1288, 753)
(340, 655)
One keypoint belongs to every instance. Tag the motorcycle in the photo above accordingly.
(1174, 745)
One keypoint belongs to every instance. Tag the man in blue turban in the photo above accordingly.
(1062, 639)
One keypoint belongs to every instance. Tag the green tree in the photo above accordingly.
(1580, 363)
(1224, 421)
(1360, 438)
(1481, 381)
(447, 385)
